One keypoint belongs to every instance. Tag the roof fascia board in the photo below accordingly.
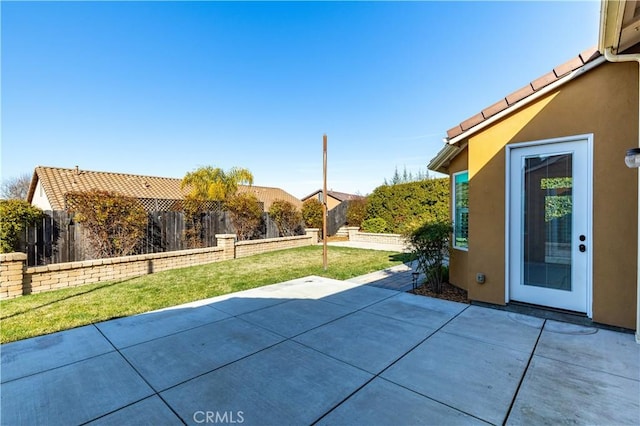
(542, 92)
(611, 15)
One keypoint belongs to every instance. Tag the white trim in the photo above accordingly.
(453, 209)
(588, 138)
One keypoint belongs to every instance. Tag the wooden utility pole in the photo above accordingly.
(324, 202)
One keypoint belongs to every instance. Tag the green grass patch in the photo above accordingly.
(44, 313)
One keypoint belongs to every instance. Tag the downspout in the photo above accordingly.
(611, 57)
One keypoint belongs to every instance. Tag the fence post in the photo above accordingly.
(11, 274)
(228, 244)
(314, 233)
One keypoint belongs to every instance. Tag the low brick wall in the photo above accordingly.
(11, 273)
(366, 237)
(52, 277)
(17, 280)
(251, 247)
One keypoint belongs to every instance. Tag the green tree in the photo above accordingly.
(214, 184)
(15, 216)
(286, 217)
(246, 214)
(312, 213)
(407, 205)
(356, 211)
(114, 223)
(207, 184)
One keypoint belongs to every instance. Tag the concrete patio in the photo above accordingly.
(317, 350)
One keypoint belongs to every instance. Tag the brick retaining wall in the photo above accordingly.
(17, 280)
(249, 248)
(367, 237)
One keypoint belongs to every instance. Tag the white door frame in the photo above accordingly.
(586, 138)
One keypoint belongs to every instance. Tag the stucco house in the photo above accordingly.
(545, 211)
(50, 184)
(334, 198)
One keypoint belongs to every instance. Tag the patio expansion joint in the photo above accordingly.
(524, 373)
(155, 392)
(378, 375)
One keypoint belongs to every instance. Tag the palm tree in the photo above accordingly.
(208, 184)
(214, 184)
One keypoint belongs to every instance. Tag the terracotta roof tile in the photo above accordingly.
(526, 91)
(589, 54)
(470, 122)
(454, 131)
(495, 108)
(519, 94)
(59, 181)
(545, 80)
(567, 67)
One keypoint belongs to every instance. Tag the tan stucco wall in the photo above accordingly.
(603, 102)
(332, 202)
(458, 260)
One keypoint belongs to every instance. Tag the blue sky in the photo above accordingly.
(160, 88)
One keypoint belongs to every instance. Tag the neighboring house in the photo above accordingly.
(334, 198)
(50, 184)
(544, 210)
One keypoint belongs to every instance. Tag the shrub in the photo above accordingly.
(356, 211)
(15, 216)
(246, 214)
(312, 213)
(376, 225)
(407, 205)
(286, 217)
(430, 244)
(114, 224)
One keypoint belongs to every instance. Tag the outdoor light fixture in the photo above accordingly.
(632, 159)
(414, 276)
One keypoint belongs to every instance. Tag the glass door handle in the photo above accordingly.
(582, 248)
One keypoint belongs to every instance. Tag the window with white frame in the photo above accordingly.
(461, 210)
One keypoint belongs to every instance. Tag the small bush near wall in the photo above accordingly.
(286, 217)
(376, 225)
(356, 212)
(246, 214)
(430, 244)
(312, 213)
(115, 224)
(15, 216)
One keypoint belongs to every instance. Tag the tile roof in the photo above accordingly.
(340, 196)
(536, 85)
(56, 182)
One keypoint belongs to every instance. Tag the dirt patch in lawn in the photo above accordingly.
(449, 292)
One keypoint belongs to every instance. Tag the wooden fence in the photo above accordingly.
(337, 217)
(58, 239)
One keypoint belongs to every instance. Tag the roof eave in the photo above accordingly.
(32, 185)
(611, 14)
(526, 101)
(442, 159)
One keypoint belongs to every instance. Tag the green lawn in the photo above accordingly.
(44, 313)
